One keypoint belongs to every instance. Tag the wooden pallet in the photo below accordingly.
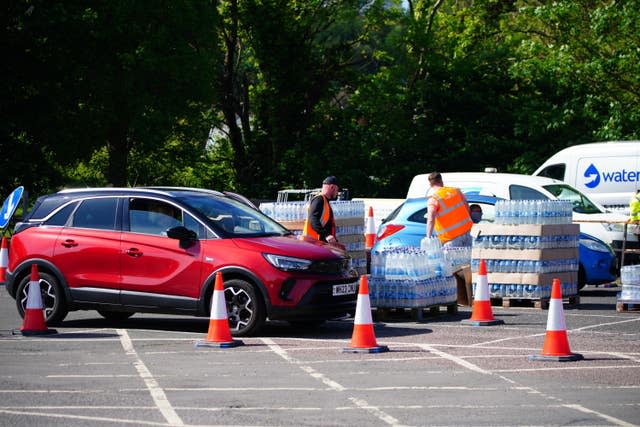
(541, 303)
(627, 305)
(417, 314)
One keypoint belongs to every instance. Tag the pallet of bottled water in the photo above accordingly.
(411, 277)
(543, 212)
(414, 294)
(349, 218)
(629, 297)
(523, 256)
(296, 211)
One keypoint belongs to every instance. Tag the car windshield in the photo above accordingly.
(234, 218)
(580, 202)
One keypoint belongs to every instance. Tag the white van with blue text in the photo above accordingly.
(609, 172)
(593, 218)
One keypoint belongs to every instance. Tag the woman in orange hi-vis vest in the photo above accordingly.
(320, 224)
(448, 214)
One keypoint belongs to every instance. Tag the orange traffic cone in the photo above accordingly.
(219, 334)
(556, 344)
(370, 230)
(4, 259)
(481, 314)
(363, 339)
(34, 323)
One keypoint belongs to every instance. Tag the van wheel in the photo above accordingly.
(245, 308)
(53, 302)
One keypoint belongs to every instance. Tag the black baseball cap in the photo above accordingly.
(330, 180)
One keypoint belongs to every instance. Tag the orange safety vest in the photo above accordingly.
(453, 219)
(308, 231)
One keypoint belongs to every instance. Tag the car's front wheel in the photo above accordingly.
(53, 302)
(245, 308)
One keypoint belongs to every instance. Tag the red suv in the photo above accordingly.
(122, 251)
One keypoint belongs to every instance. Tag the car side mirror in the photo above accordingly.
(186, 237)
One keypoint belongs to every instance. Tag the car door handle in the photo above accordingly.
(134, 252)
(69, 243)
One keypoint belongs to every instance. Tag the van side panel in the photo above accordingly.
(608, 172)
(609, 180)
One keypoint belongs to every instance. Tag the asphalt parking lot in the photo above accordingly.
(438, 372)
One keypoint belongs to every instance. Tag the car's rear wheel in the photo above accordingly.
(115, 316)
(245, 308)
(53, 302)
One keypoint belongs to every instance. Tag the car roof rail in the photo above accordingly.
(194, 189)
(108, 190)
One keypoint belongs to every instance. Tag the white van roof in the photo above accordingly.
(595, 149)
(476, 182)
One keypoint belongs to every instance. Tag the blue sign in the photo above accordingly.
(9, 206)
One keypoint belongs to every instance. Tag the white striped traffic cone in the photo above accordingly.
(556, 343)
(370, 230)
(363, 339)
(4, 259)
(219, 334)
(33, 323)
(481, 314)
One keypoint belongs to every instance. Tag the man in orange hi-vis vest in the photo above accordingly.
(320, 224)
(448, 214)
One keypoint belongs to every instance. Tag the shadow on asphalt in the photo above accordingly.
(335, 329)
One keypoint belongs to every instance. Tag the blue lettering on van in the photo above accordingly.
(615, 176)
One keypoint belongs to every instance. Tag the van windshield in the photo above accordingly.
(580, 202)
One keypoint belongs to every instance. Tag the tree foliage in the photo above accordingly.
(259, 95)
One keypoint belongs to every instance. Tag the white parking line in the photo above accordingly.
(119, 421)
(455, 359)
(532, 390)
(360, 403)
(611, 419)
(157, 394)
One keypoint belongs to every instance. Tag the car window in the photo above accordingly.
(554, 171)
(193, 224)
(97, 213)
(151, 216)
(520, 192)
(230, 218)
(580, 202)
(488, 212)
(419, 216)
(393, 214)
(62, 216)
(45, 205)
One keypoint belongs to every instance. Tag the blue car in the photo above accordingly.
(406, 226)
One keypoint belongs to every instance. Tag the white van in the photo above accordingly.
(609, 172)
(592, 217)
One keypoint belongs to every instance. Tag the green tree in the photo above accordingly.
(580, 66)
(119, 76)
(283, 59)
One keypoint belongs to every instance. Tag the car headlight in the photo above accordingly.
(595, 246)
(287, 263)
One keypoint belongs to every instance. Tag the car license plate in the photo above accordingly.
(345, 289)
